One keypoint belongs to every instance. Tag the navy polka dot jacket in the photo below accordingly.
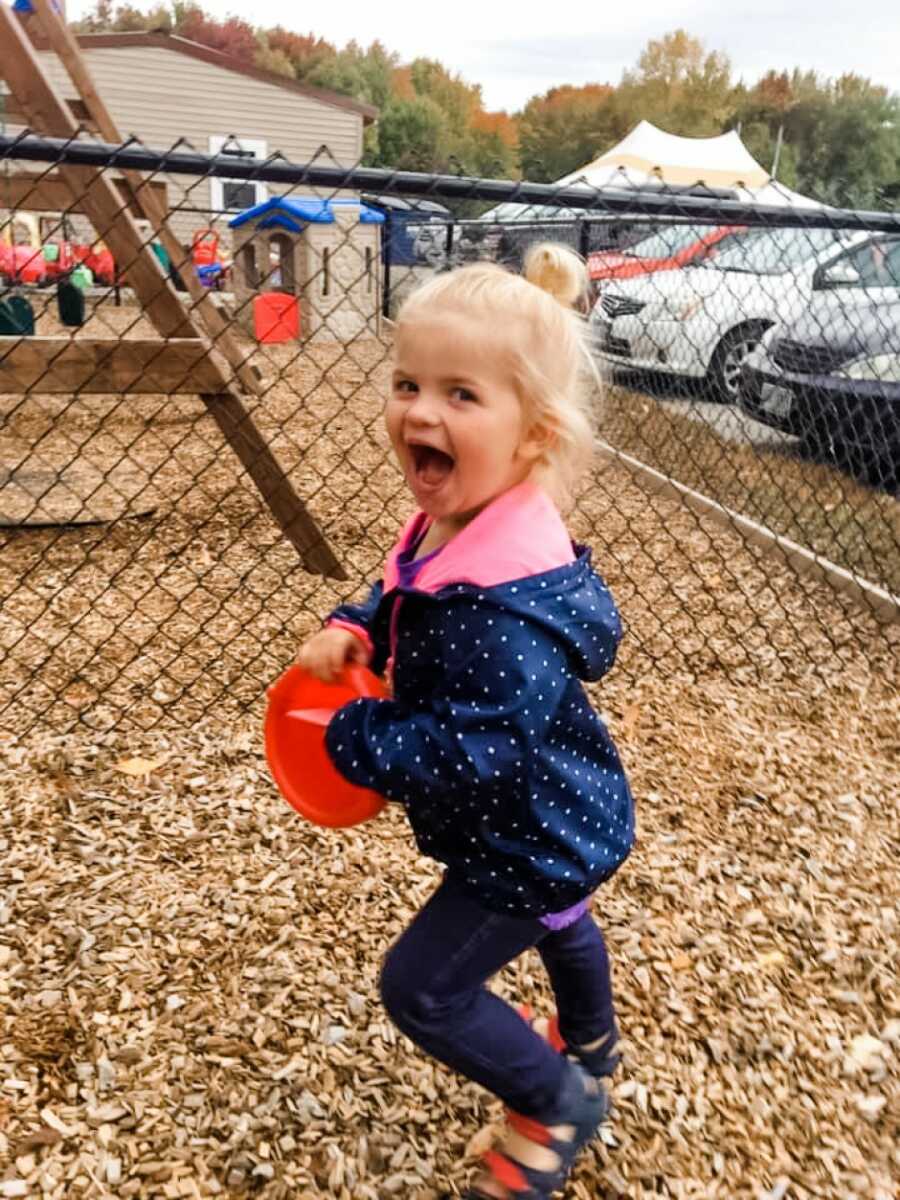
(508, 775)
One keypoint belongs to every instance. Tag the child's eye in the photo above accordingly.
(461, 393)
(405, 385)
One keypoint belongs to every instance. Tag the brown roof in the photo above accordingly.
(167, 41)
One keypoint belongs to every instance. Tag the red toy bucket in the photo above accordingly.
(300, 707)
(276, 317)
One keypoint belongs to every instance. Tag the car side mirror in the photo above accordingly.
(839, 274)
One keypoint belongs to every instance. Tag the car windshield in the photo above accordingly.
(772, 251)
(663, 243)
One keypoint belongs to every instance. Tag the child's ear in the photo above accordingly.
(536, 442)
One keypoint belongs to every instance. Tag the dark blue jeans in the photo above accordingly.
(433, 985)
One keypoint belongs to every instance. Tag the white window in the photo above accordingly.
(233, 195)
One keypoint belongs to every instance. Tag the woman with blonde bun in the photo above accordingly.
(486, 621)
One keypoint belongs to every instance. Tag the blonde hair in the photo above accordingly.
(547, 346)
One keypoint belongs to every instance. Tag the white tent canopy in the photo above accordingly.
(649, 157)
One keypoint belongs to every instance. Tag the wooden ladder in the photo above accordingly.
(198, 353)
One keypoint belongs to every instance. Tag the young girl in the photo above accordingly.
(485, 621)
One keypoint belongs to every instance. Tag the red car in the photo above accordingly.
(661, 250)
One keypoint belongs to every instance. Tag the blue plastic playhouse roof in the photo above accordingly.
(288, 212)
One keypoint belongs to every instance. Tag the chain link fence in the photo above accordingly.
(182, 500)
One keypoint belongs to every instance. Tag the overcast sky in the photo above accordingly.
(515, 50)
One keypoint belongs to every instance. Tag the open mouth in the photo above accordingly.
(430, 465)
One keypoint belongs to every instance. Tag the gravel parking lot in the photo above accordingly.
(685, 398)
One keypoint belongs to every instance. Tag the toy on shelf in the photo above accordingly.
(100, 262)
(82, 277)
(211, 269)
(16, 317)
(21, 252)
(70, 303)
(59, 258)
(22, 265)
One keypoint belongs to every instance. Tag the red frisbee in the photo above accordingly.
(300, 707)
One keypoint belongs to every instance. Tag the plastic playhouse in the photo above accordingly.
(305, 267)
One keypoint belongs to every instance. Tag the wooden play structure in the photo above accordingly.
(195, 352)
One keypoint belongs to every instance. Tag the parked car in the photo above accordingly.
(702, 322)
(663, 249)
(832, 376)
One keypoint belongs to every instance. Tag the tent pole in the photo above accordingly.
(779, 141)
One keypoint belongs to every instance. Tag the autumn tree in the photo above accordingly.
(276, 61)
(304, 52)
(413, 135)
(233, 36)
(678, 86)
(364, 74)
(758, 113)
(477, 142)
(123, 18)
(848, 141)
(494, 144)
(840, 138)
(457, 100)
(565, 129)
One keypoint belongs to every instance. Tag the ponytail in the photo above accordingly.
(557, 270)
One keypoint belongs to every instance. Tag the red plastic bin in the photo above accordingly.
(299, 710)
(276, 317)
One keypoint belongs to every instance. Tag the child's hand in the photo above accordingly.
(327, 652)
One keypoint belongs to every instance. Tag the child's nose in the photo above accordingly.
(424, 409)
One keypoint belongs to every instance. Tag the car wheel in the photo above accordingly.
(724, 375)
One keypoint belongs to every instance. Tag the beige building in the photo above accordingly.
(162, 88)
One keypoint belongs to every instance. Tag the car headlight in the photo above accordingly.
(878, 368)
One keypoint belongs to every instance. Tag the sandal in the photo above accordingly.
(599, 1059)
(583, 1108)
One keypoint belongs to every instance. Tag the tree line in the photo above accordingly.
(837, 140)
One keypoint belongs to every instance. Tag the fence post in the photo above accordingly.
(387, 250)
(584, 237)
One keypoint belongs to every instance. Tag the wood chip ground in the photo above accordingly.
(188, 971)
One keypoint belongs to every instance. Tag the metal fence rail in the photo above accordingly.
(175, 514)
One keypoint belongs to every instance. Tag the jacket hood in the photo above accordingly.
(574, 605)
